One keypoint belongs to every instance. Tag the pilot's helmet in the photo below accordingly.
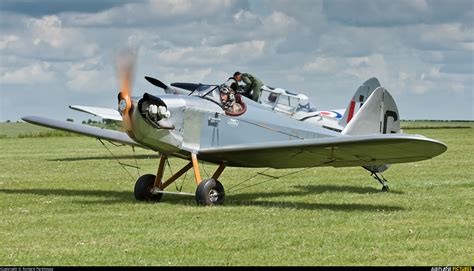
(225, 89)
(227, 96)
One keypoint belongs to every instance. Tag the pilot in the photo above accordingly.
(227, 96)
(252, 84)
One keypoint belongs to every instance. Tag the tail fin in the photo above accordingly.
(358, 100)
(378, 115)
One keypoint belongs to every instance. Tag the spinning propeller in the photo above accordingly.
(125, 64)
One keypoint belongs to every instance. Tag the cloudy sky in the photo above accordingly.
(57, 53)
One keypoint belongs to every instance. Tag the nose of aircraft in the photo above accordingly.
(155, 112)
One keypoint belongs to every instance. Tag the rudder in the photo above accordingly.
(378, 115)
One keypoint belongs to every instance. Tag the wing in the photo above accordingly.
(86, 130)
(105, 113)
(344, 151)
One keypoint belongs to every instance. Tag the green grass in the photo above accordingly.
(64, 201)
(407, 125)
(14, 129)
(27, 130)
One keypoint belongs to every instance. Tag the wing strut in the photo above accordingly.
(123, 165)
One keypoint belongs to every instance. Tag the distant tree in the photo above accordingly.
(84, 122)
(70, 120)
(89, 121)
(109, 122)
(8, 121)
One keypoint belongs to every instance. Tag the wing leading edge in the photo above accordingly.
(86, 130)
(342, 151)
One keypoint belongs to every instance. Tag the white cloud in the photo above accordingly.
(322, 66)
(425, 52)
(5, 41)
(368, 66)
(90, 76)
(186, 8)
(204, 55)
(47, 39)
(279, 22)
(452, 36)
(36, 73)
(246, 17)
(420, 87)
(48, 30)
(395, 13)
(187, 75)
(152, 12)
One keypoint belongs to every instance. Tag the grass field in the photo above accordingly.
(407, 125)
(15, 129)
(65, 201)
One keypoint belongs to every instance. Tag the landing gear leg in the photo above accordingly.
(382, 181)
(147, 185)
(209, 192)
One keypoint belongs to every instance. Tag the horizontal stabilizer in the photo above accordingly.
(105, 113)
(82, 129)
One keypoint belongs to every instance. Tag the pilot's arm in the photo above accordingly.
(233, 85)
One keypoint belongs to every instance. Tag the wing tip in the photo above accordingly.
(29, 119)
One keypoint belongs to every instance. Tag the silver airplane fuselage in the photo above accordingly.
(200, 122)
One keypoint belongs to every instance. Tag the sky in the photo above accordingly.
(59, 53)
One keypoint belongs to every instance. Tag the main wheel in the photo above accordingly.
(210, 192)
(143, 188)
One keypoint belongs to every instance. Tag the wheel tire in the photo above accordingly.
(210, 192)
(143, 188)
(385, 188)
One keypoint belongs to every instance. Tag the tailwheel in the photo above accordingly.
(144, 189)
(210, 192)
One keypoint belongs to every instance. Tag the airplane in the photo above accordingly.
(214, 124)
